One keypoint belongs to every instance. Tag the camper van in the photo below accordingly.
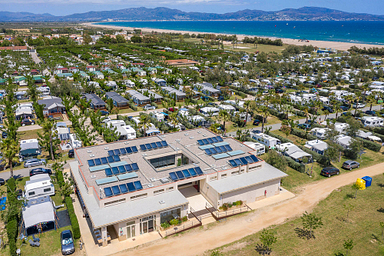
(38, 186)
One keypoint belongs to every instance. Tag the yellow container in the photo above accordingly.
(361, 184)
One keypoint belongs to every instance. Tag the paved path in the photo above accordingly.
(198, 241)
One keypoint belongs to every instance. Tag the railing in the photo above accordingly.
(182, 227)
(223, 214)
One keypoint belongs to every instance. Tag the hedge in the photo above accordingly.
(316, 156)
(282, 139)
(370, 145)
(379, 130)
(295, 165)
(12, 235)
(302, 134)
(73, 218)
(60, 178)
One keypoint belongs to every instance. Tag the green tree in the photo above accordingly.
(267, 239)
(144, 123)
(311, 222)
(356, 187)
(276, 160)
(225, 117)
(49, 139)
(348, 245)
(10, 148)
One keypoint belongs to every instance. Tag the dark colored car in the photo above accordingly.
(370, 112)
(349, 165)
(256, 122)
(4, 134)
(27, 122)
(329, 171)
(2, 181)
(39, 171)
(304, 126)
(71, 153)
(344, 108)
(221, 98)
(279, 90)
(103, 112)
(66, 240)
(330, 110)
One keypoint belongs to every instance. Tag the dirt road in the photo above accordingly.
(198, 241)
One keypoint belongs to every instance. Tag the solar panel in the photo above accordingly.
(116, 152)
(180, 175)
(123, 188)
(134, 149)
(228, 147)
(205, 141)
(122, 169)
(110, 159)
(123, 151)
(91, 163)
(192, 172)
(213, 151)
(224, 149)
(148, 146)
(143, 148)
(153, 144)
(131, 187)
(243, 160)
(110, 152)
(201, 143)
(208, 151)
(116, 158)
(210, 140)
(116, 190)
(219, 139)
(135, 167)
(108, 192)
(249, 159)
(218, 150)
(97, 161)
(233, 163)
(173, 176)
(254, 158)
(199, 171)
(214, 139)
(158, 144)
(115, 170)
(104, 160)
(164, 143)
(128, 167)
(129, 150)
(138, 185)
(238, 162)
(186, 173)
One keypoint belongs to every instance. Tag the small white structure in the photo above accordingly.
(158, 115)
(75, 142)
(320, 133)
(126, 132)
(341, 127)
(39, 187)
(269, 141)
(293, 151)
(258, 147)
(318, 146)
(207, 111)
(227, 107)
(367, 136)
(372, 121)
(343, 140)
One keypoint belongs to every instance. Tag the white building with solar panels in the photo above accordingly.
(129, 188)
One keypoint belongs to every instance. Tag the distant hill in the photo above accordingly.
(162, 13)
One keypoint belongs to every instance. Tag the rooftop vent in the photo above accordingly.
(152, 179)
(150, 185)
(162, 202)
(164, 180)
(186, 134)
(204, 135)
(106, 148)
(93, 176)
(91, 155)
(126, 143)
(191, 138)
(89, 151)
(198, 132)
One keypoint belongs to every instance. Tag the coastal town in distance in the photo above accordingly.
(122, 139)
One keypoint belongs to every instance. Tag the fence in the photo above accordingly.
(182, 227)
(223, 214)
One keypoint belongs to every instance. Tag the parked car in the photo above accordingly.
(149, 107)
(71, 153)
(370, 112)
(256, 122)
(358, 105)
(172, 109)
(344, 108)
(25, 122)
(304, 126)
(4, 134)
(2, 181)
(36, 171)
(34, 162)
(349, 164)
(104, 112)
(66, 241)
(329, 171)
(330, 110)
(279, 90)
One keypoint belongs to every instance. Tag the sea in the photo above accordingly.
(364, 32)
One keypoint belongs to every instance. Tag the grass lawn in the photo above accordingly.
(232, 128)
(362, 226)
(31, 134)
(129, 110)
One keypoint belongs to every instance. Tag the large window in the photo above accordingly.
(170, 215)
(163, 161)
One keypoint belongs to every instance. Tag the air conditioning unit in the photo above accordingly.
(89, 151)
(150, 185)
(164, 180)
(191, 138)
(162, 202)
(152, 179)
(106, 148)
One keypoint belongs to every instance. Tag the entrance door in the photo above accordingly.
(150, 226)
(131, 232)
(144, 227)
(147, 224)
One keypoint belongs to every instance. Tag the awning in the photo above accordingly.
(298, 155)
(38, 213)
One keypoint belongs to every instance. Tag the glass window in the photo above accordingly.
(47, 189)
(170, 215)
(163, 161)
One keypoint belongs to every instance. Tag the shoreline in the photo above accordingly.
(343, 46)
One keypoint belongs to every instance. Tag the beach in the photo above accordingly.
(343, 46)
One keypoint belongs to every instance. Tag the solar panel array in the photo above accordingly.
(218, 150)
(185, 174)
(123, 151)
(153, 145)
(122, 188)
(210, 140)
(103, 160)
(121, 169)
(243, 161)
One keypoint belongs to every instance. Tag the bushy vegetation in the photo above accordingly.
(72, 217)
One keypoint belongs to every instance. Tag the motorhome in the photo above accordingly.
(38, 188)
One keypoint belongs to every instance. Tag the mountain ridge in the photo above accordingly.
(306, 13)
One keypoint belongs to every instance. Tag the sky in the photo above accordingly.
(65, 7)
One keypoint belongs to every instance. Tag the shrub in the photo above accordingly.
(174, 222)
(12, 235)
(295, 165)
(60, 178)
(316, 156)
(379, 130)
(282, 139)
(165, 225)
(370, 145)
(185, 218)
(302, 134)
(73, 218)
(11, 184)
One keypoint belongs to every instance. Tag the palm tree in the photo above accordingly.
(144, 123)
(225, 116)
(10, 148)
(247, 105)
(371, 99)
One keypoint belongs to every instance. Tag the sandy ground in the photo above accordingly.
(198, 241)
(320, 44)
